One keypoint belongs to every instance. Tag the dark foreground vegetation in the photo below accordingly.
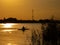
(50, 34)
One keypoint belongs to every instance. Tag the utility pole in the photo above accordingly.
(52, 18)
(32, 14)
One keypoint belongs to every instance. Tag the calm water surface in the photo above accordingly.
(17, 37)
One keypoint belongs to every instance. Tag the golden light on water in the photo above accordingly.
(12, 36)
(7, 30)
(7, 25)
(9, 44)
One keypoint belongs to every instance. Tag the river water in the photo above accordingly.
(13, 36)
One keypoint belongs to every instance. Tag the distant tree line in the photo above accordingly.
(14, 20)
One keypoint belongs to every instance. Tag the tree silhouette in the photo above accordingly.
(10, 20)
(50, 33)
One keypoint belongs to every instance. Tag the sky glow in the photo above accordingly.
(22, 9)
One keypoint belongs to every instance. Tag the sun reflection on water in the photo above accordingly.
(8, 25)
(11, 44)
(9, 31)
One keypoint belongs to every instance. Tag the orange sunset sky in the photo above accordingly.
(22, 9)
